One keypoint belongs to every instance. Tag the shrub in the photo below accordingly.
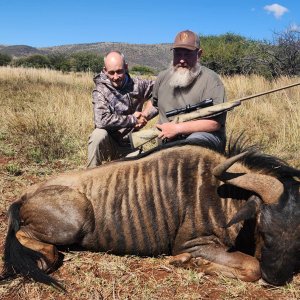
(33, 61)
(227, 54)
(5, 59)
(60, 61)
(86, 61)
(142, 70)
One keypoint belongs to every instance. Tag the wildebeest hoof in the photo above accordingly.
(45, 266)
(180, 259)
(202, 262)
(41, 263)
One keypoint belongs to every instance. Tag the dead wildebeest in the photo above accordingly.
(238, 216)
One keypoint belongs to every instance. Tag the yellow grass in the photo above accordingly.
(51, 112)
(272, 120)
(46, 111)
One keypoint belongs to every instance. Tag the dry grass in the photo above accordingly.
(46, 113)
(46, 118)
(271, 120)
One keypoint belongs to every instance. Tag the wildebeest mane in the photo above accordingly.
(256, 160)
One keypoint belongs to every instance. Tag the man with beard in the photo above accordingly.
(117, 101)
(187, 82)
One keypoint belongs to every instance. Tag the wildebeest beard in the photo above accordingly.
(183, 77)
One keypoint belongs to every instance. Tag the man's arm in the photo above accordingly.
(105, 118)
(149, 111)
(171, 130)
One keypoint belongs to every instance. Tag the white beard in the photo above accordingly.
(183, 77)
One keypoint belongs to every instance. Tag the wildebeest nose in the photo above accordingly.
(277, 279)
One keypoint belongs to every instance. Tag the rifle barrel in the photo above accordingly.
(268, 92)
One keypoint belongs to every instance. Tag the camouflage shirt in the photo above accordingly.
(114, 108)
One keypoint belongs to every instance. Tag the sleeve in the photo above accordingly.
(105, 118)
(216, 91)
(147, 88)
(154, 99)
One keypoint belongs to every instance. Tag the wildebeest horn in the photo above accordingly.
(219, 171)
(267, 187)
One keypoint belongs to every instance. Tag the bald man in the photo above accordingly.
(118, 100)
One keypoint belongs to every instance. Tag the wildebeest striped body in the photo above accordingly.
(180, 201)
(147, 207)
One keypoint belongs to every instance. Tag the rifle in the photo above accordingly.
(189, 108)
(139, 138)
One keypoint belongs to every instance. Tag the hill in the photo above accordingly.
(20, 50)
(156, 56)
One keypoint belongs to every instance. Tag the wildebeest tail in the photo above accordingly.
(19, 259)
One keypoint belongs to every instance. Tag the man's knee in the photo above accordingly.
(97, 136)
(99, 148)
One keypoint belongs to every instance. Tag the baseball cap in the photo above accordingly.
(187, 39)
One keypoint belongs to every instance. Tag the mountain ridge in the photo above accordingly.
(156, 56)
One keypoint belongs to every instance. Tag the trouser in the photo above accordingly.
(102, 148)
(209, 139)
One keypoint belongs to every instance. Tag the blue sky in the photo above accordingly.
(42, 23)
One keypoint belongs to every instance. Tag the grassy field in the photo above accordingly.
(46, 118)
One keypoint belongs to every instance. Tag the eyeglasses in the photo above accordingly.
(184, 52)
(119, 72)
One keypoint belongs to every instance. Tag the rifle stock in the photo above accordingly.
(139, 138)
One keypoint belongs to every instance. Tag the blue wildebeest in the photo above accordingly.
(238, 216)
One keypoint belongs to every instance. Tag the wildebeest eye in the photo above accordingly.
(267, 239)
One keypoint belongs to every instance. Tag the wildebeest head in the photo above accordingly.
(280, 229)
(276, 202)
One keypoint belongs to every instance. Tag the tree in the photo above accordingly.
(33, 61)
(5, 59)
(142, 70)
(60, 61)
(226, 54)
(282, 56)
(86, 61)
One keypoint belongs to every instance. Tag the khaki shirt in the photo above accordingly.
(207, 85)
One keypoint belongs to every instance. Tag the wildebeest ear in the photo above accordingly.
(248, 211)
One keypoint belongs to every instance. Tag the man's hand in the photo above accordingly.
(168, 130)
(150, 111)
(141, 120)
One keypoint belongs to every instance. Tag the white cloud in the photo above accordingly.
(276, 9)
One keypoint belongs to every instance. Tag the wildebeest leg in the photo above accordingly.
(56, 215)
(49, 251)
(180, 259)
(233, 265)
(214, 259)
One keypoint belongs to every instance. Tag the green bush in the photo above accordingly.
(86, 61)
(227, 54)
(60, 62)
(33, 61)
(142, 70)
(5, 59)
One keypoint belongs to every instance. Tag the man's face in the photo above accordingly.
(186, 67)
(115, 70)
(184, 58)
